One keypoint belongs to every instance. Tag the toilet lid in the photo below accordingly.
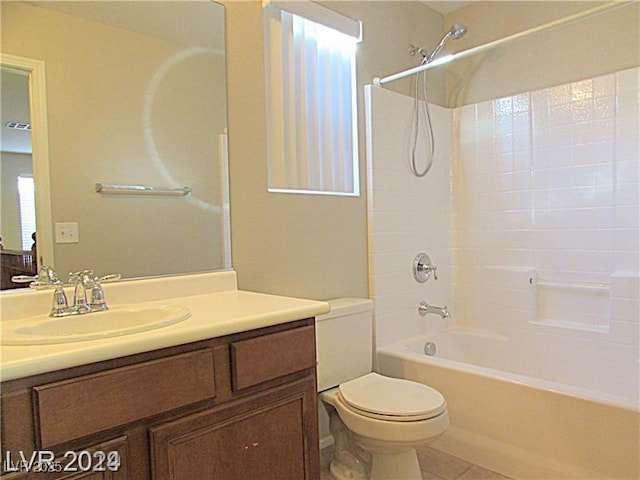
(393, 399)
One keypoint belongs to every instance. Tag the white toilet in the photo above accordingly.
(376, 421)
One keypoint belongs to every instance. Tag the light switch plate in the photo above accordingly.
(66, 232)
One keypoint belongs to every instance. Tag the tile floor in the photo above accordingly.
(436, 465)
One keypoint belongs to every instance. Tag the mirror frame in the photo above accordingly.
(35, 70)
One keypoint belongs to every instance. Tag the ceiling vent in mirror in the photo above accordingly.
(18, 125)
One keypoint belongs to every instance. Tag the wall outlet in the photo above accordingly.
(66, 232)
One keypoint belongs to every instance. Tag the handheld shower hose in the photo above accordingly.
(456, 31)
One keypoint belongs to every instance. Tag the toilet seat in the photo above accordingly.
(391, 399)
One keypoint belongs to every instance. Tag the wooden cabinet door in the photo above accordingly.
(68, 476)
(106, 461)
(269, 437)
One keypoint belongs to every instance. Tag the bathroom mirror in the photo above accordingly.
(135, 96)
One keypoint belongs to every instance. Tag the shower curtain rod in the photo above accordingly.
(501, 41)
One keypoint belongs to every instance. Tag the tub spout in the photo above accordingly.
(424, 309)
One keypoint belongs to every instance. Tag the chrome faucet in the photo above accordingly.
(83, 283)
(424, 309)
(47, 278)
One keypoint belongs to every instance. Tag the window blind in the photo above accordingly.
(311, 106)
(26, 194)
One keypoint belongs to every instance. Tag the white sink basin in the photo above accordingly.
(123, 320)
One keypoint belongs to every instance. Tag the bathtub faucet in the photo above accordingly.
(424, 309)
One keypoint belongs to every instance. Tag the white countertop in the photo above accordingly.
(212, 315)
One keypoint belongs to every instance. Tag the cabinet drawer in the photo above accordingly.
(81, 406)
(260, 359)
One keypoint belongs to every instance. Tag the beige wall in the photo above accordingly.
(316, 246)
(100, 81)
(305, 245)
(596, 46)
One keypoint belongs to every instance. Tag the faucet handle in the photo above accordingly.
(83, 277)
(97, 293)
(46, 278)
(423, 268)
(113, 277)
(24, 278)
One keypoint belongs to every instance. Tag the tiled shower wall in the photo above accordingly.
(545, 193)
(531, 213)
(406, 216)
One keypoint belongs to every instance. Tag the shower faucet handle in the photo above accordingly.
(423, 268)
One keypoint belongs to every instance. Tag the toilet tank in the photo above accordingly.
(344, 341)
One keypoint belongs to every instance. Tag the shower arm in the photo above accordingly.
(501, 41)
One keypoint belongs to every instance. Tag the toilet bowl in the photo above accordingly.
(387, 418)
(376, 421)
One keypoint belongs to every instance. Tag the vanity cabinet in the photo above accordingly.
(259, 438)
(233, 407)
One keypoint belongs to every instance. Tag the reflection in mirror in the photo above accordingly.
(136, 95)
(18, 215)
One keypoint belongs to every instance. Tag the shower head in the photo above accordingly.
(456, 31)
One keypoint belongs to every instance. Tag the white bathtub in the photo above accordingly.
(520, 409)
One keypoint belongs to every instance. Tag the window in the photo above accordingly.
(311, 104)
(26, 194)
